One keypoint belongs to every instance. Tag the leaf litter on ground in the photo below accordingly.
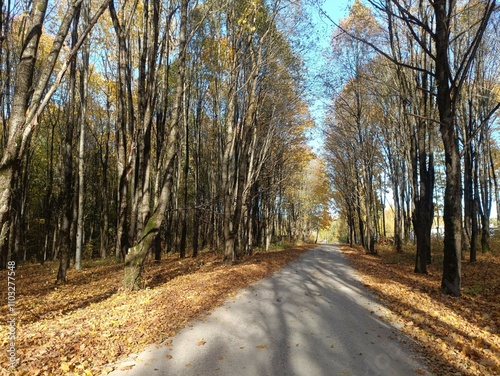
(83, 327)
(86, 325)
(459, 336)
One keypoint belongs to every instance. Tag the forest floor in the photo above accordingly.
(460, 336)
(82, 327)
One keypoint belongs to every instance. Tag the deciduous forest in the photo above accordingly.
(141, 135)
(415, 115)
(141, 128)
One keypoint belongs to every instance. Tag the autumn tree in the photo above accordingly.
(352, 109)
(30, 94)
(189, 117)
(451, 54)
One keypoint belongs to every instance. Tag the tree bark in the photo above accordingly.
(451, 280)
(10, 159)
(137, 254)
(123, 165)
(84, 76)
(67, 193)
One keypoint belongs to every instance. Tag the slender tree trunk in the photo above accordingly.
(48, 199)
(104, 194)
(485, 199)
(66, 240)
(228, 170)
(197, 189)
(424, 198)
(84, 73)
(123, 166)
(184, 214)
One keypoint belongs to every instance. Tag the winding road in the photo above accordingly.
(312, 318)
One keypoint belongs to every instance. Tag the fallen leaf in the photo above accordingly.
(65, 367)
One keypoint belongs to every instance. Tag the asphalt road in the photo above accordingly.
(312, 318)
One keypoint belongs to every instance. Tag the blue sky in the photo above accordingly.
(323, 27)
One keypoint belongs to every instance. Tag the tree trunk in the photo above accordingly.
(137, 254)
(49, 198)
(451, 280)
(104, 196)
(185, 175)
(67, 193)
(485, 199)
(121, 141)
(10, 159)
(398, 220)
(84, 73)
(229, 168)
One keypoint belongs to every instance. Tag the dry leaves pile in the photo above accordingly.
(461, 336)
(83, 326)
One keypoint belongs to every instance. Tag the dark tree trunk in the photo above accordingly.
(66, 240)
(451, 280)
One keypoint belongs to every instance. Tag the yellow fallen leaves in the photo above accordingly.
(83, 327)
(65, 367)
(459, 336)
(78, 370)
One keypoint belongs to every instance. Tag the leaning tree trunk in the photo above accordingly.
(134, 260)
(10, 159)
(30, 99)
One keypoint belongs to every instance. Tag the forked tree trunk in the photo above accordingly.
(134, 260)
